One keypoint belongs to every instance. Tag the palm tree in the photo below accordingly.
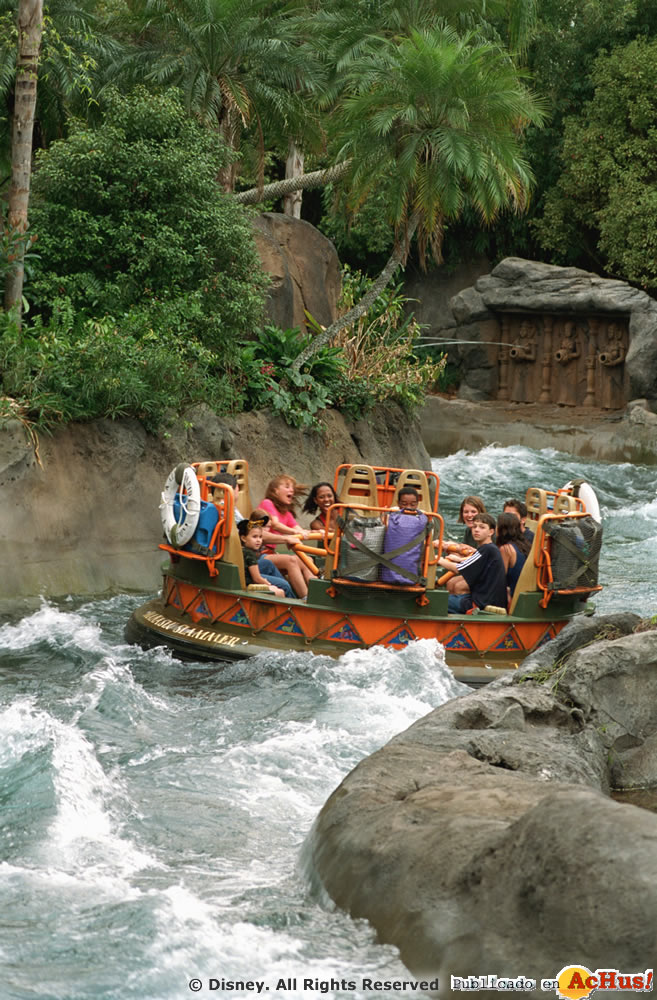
(343, 33)
(438, 120)
(75, 49)
(30, 29)
(240, 65)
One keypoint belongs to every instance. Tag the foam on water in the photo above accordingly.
(154, 811)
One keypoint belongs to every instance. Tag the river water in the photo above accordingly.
(153, 812)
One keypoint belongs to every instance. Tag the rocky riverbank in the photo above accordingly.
(84, 519)
(483, 840)
(609, 436)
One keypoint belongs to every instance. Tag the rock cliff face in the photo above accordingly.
(482, 839)
(86, 520)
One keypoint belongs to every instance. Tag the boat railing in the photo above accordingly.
(431, 546)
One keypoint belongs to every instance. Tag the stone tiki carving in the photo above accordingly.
(566, 356)
(611, 357)
(566, 360)
(522, 364)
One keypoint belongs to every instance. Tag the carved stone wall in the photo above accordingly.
(534, 333)
(570, 360)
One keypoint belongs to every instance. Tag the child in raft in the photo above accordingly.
(483, 572)
(280, 505)
(470, 507)
(408, 499)
(319, 500)
(250, 531)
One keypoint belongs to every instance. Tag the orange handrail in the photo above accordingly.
(543, 560)
(384, 511)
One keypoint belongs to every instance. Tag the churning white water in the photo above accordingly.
(153, 812)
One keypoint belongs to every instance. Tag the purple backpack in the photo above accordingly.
(404, 545)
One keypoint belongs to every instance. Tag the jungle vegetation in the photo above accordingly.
(421, 131)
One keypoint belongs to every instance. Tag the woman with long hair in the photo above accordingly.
(319, 500)
(514, 548)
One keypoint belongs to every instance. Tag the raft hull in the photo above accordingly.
(203, 622)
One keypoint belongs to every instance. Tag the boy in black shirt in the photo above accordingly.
(483, 571)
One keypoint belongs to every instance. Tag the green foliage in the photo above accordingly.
(76, 47)
(81, 369)
(436, 120)
(365, 236)
(131, 214)
(380, 352)
(605, 201)
(268, 380)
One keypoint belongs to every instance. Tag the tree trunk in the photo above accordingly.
(396, 259)
(30, 28)
(293, 169)
(317, 178)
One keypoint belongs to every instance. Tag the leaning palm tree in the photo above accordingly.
(437, 120)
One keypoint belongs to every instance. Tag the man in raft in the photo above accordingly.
(483, 571)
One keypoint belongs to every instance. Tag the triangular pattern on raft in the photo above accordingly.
(290, 625)
(347, 633)
(240, 617)
(459, 640)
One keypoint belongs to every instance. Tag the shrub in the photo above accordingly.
(268, 381)
(81, 369)
(379, 352)
(131, 214)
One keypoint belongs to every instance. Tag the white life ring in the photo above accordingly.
(181, 529)
(586, 494)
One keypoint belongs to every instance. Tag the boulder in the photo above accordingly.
(304, 269)
(482, 840)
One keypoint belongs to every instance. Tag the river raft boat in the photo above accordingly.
(208, 610)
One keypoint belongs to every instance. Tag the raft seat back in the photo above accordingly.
(537, 503)
(528, 579)
(418, 480)
(565, 504)
(359, 486)
(239, 468)
(207, 469)
(233, 553)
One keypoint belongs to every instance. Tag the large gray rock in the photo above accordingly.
(304, 269)
(480, 840)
